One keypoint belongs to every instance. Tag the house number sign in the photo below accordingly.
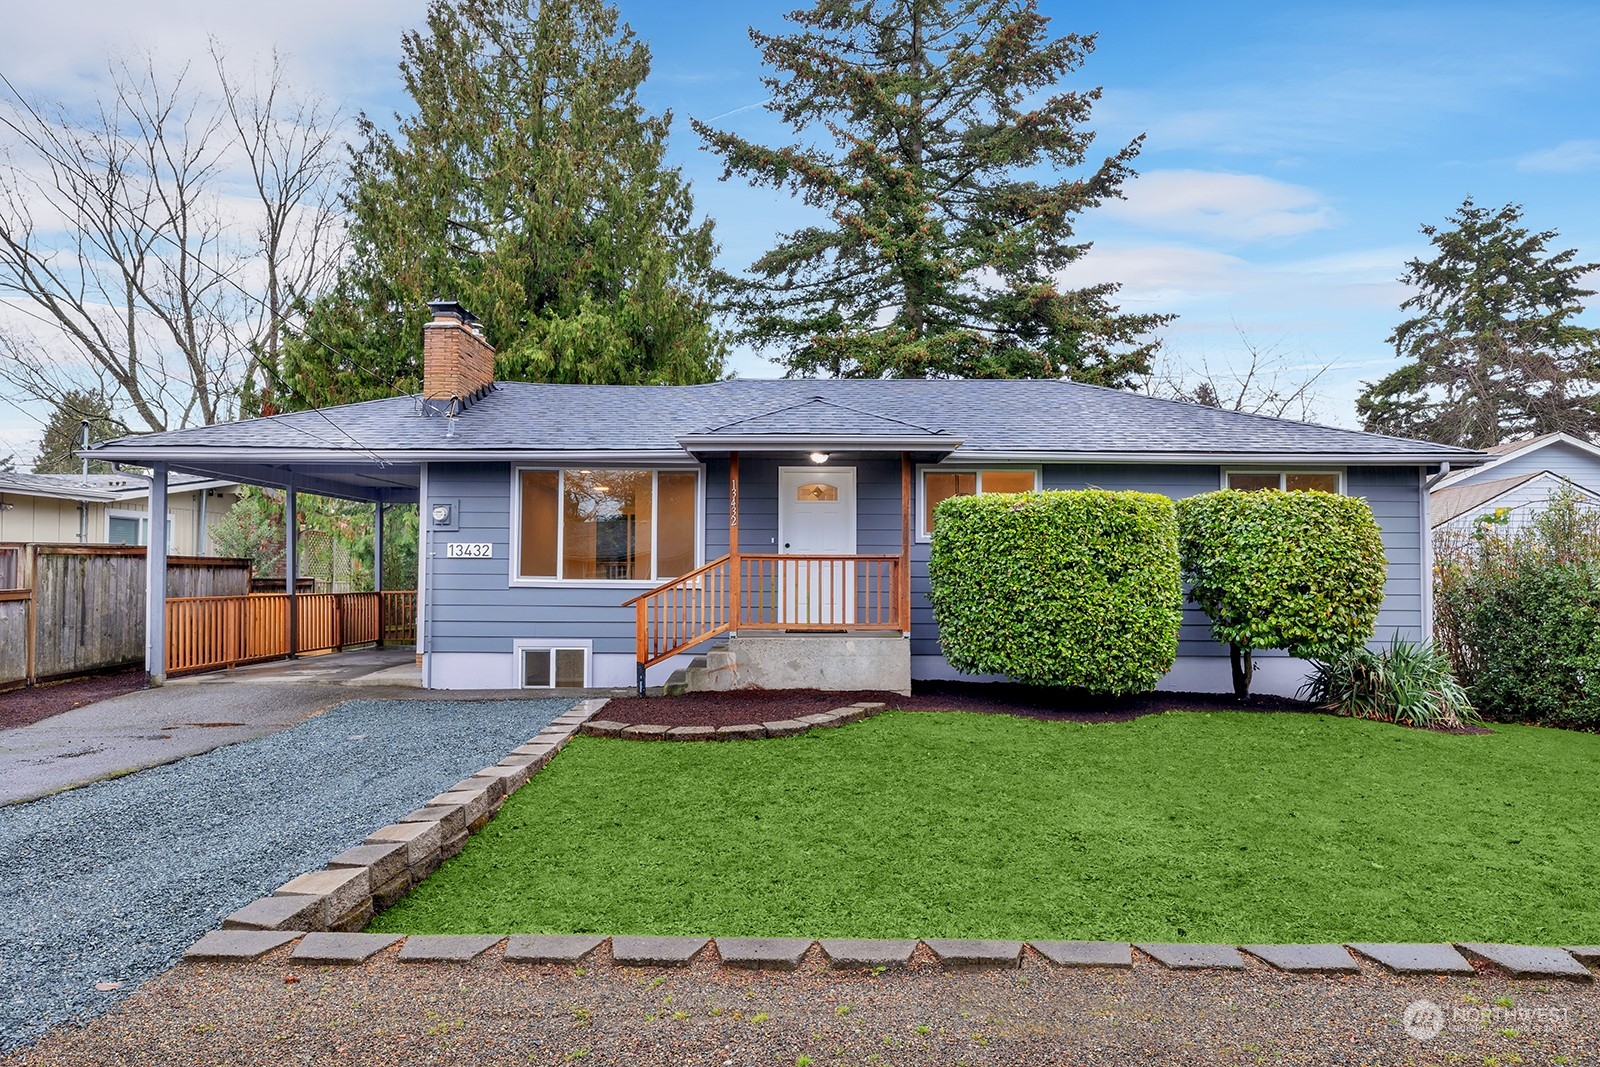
(469, 550)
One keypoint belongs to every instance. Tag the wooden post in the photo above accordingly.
(155, 586)
(30, 669)
(735, 593)
(904, 592)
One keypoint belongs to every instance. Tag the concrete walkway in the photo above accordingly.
(191, 715)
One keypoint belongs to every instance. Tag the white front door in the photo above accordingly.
(817, 517)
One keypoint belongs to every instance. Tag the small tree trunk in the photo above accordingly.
(1244, 668)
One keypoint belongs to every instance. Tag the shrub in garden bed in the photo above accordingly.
(1519, 614)
(1072, 588)
(1409, 682)
(1300, 571)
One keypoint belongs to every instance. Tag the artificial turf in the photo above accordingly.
(1237, 827)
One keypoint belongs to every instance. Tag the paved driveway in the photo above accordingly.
(193, 715)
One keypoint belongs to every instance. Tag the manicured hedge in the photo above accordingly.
(1059, 588)
(1301, 571)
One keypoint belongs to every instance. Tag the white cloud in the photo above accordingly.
(1237, 207)
(1568, 157)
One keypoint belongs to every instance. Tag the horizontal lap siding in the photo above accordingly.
(1559, 458)
(1395, 494)
(472, 606)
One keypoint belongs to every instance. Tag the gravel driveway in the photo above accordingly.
(110, 882)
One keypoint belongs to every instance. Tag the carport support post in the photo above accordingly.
(155, 579)
(291, 564)
(377, 564)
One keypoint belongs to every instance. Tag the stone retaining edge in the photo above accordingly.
(363, 880)
(237, 946)
(754, 731)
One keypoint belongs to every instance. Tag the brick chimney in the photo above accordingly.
(457, 363)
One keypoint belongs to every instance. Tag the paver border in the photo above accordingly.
(343, 896)
(752, 731)
(247, 947)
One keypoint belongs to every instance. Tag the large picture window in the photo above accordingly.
(1290, 481)
(941, 485)
(606, 525)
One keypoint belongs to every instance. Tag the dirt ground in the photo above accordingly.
(492, 1012)
(1035, 702)
(21, 707)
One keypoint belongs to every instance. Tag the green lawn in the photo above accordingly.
(1235, 827)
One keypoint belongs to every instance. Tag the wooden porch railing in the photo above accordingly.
(768, 592)
(225, 631)
(683, 613)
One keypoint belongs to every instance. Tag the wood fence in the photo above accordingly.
(81, 607)
(206, 633)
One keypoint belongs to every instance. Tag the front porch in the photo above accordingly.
(809, 604)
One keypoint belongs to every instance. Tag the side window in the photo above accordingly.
(940, 485)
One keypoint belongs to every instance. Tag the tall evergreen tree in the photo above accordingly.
(1493, 352)
(946, 176)
(63, 433)
(529, 184)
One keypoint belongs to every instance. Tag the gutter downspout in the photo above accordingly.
(1444, 472)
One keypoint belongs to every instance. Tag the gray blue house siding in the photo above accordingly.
(474, 610)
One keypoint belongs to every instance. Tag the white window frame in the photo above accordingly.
(142, 538)
(1339, 474)
(554, 645)
(923, 470)
(515, 564)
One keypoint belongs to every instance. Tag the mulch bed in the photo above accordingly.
(21, 707)
(742, 706)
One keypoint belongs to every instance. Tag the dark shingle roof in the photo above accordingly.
(1003, 416)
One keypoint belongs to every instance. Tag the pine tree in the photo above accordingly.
(1493, 352)
(63, 433)
(529, 184)
(948, 180)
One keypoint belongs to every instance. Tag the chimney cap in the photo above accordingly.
(451, 309)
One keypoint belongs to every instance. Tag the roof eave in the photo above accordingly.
(796, 442)
(1364, 459)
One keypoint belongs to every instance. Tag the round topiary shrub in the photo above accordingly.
(1059, 588)
(1300, 571)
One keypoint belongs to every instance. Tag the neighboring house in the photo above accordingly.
(1516, 482)
(551, 513)
(99, 509)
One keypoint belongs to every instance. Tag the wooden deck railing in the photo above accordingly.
(768, 592)
(225, 631)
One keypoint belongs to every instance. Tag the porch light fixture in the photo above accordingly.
(819, 457)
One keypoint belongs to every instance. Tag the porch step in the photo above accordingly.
(841, 662)
(715, 671)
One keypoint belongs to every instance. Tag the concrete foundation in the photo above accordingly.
(837, 662)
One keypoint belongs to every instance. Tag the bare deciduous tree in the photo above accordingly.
(144, 277)
(1269, 384)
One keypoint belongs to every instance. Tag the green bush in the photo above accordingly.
(1059, 588)
(1301, 571)
(1409, 682)
(1519, 614)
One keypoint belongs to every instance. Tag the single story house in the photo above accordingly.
(1516, 482)
(111, 509)
(601, 535)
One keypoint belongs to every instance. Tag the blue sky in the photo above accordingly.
(1291, 150)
